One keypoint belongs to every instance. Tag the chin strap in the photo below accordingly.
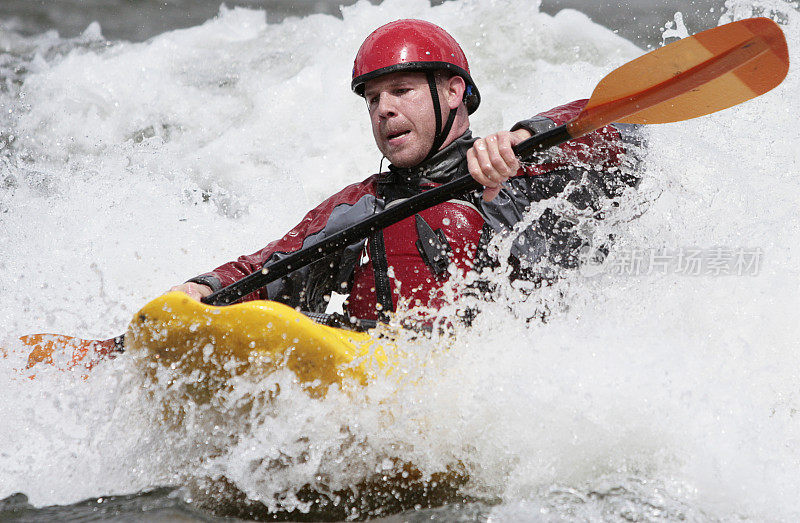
(441, 133)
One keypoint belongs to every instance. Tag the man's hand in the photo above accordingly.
(194, 290)
(491, 160)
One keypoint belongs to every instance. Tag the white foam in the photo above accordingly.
(136, 166)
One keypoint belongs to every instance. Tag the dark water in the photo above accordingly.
(156, 505)
(163, 505)
(166, 504)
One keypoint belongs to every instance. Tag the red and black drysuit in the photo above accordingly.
(411, 259)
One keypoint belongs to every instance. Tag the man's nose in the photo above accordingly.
(386, 107)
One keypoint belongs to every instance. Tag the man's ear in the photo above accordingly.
(454, 91)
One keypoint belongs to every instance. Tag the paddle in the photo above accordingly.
(699, 75)
(85, 353)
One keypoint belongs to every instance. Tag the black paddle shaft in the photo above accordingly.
(280, 268)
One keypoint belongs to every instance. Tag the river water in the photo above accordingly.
(141, 150)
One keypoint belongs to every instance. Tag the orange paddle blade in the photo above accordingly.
(85, 353)
(698, 75)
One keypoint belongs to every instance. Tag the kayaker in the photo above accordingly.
(419, 94)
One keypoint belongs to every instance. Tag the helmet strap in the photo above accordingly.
(441, 133)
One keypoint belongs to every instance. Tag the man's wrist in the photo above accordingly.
(212, 282)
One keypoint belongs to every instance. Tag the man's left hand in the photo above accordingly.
(492, 161)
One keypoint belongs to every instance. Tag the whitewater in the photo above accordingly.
(651, 390)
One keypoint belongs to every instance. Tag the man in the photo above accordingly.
(419, 94)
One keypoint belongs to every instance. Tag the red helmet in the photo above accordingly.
(412, 45)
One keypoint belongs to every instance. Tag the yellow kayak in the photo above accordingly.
(218, 342)
(213, 343)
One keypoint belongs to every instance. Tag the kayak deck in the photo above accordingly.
(177, 331)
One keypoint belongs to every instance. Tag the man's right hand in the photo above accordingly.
(492, 161)
(194, 290)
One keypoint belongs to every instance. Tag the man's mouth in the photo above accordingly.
(395, 135)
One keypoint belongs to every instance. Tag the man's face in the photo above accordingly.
(402, 117)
